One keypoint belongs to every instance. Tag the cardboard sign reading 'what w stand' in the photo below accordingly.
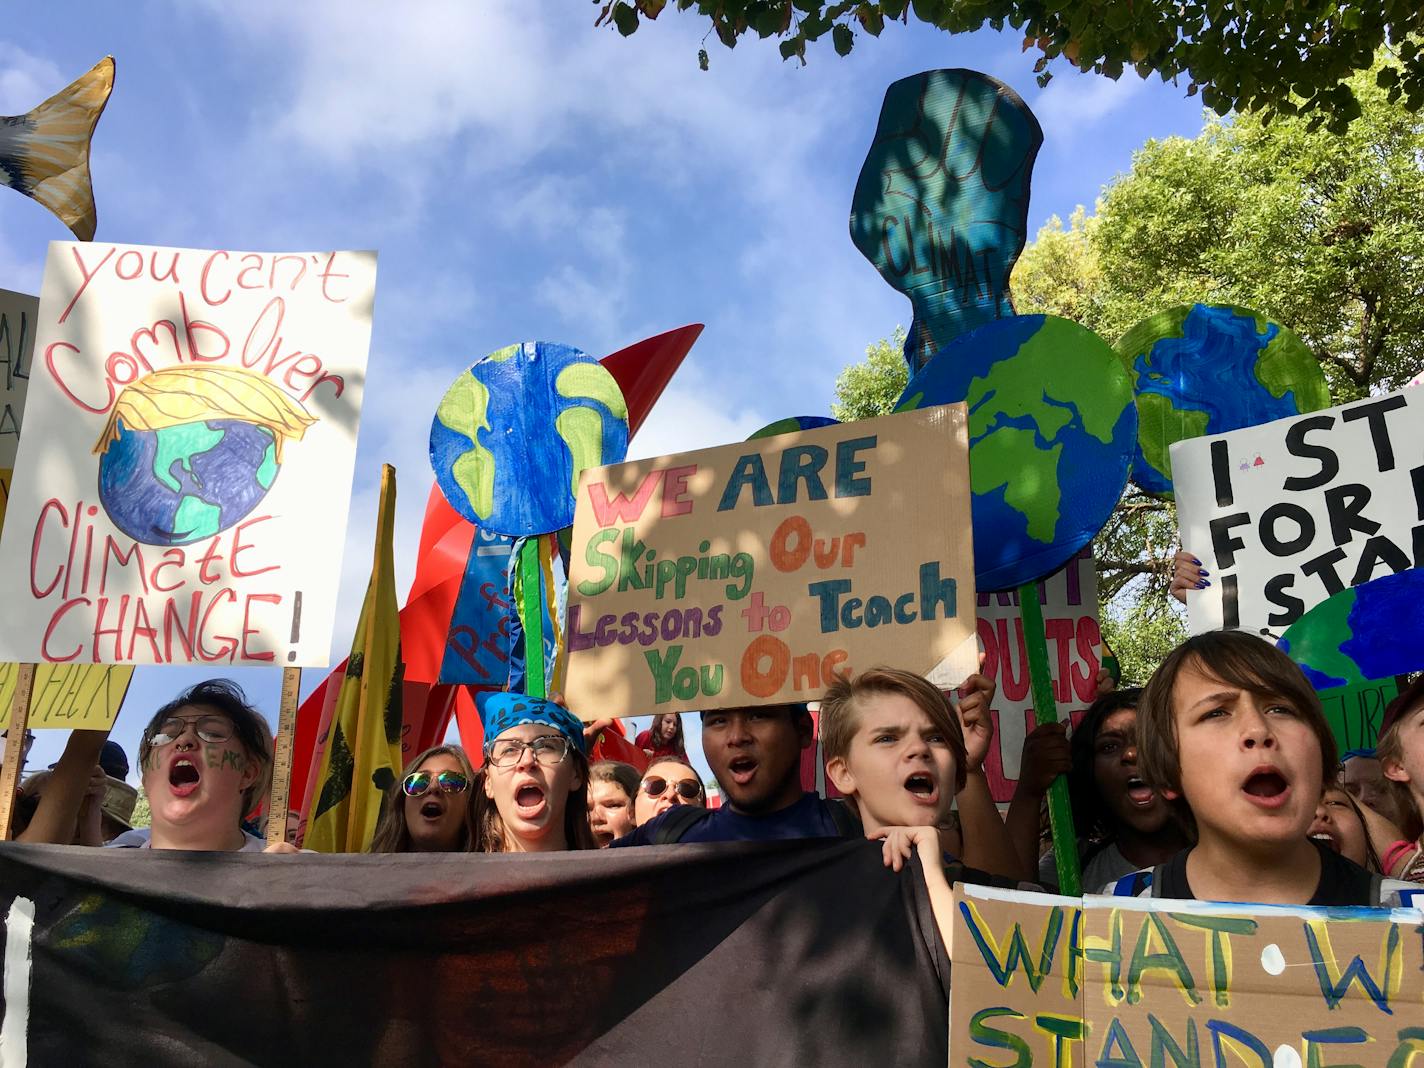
(1129, 982)
(751, 574)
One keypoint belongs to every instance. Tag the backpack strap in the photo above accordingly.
(676, 822)
(847, 823)
(1133, 883)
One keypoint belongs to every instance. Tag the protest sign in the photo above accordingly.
(69, 696)
(1070, 621)
(750, 574)
(1288, 513)
(17, 325)
(182, 486)
(1129, 981)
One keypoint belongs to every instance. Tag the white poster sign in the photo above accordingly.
(17, 335)
(1287, 513)
(181, 491)
(1069, 600)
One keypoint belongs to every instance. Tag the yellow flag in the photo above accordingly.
(362, 755)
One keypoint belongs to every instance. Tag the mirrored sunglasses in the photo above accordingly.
(418, 783)
(688, 788)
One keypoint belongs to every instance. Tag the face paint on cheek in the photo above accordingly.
(217, 757)
(150, 761)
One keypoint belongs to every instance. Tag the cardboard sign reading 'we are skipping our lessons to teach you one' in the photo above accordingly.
(181, 489)
(1133, 982)
(1287, 513)
(751, 574)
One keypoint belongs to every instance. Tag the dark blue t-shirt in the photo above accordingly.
(808, 818)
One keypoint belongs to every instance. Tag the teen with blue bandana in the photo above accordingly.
(536, 773)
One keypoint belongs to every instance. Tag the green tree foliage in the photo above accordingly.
(141, 817)
(1322, 232)
(1274, 57)
(871, 387)
(1141, 634)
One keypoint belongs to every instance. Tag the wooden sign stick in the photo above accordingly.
(1045, 710)
(282, 756)
(15, 745)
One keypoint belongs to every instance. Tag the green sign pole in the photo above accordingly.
(1045, 710)
(532, 603)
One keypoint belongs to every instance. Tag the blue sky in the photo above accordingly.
(524, 176)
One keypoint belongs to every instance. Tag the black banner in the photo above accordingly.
(795, 953)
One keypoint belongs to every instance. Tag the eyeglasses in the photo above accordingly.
(548, 749)
(209, 729)
(688, 788)
(417, 783)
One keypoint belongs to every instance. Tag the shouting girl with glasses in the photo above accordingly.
(433, 808)
(667, 783)
(206, 759)
(536, 774)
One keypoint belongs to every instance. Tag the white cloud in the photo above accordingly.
(695, 413)
(1074, 100)
(27, 81)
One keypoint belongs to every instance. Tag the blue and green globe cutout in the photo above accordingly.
(1205, 369)
(513, 434)
(1359, 639)
(792, 424)
(1052, 432)
(181, 484)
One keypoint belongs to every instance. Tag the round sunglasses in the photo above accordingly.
(417, 783)
(688, 788)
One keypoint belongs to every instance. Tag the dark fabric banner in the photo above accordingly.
(789, 953)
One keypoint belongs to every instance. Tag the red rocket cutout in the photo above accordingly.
(643, 369)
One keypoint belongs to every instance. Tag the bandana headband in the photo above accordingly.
(501, 711)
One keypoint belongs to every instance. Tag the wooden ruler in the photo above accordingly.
(281, 756)
(15, 745)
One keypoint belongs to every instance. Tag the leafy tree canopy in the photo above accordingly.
(1267, 56)
(1321, 232)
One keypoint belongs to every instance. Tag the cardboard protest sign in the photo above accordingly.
(750, 574)
(69, 696)
(1139, 981)
(183, 482)
(1286, 514)
(17, 325)
(1070, 621)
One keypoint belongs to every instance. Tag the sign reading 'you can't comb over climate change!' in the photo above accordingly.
(181, 488)
(750, 574)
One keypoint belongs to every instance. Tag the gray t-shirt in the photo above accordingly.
(1108, 865)
(138, 838)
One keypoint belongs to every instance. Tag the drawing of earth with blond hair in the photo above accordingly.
(190, 451)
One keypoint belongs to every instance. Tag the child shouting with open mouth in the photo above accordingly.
(1234, 737)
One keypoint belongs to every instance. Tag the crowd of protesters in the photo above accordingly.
(1219, 779)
